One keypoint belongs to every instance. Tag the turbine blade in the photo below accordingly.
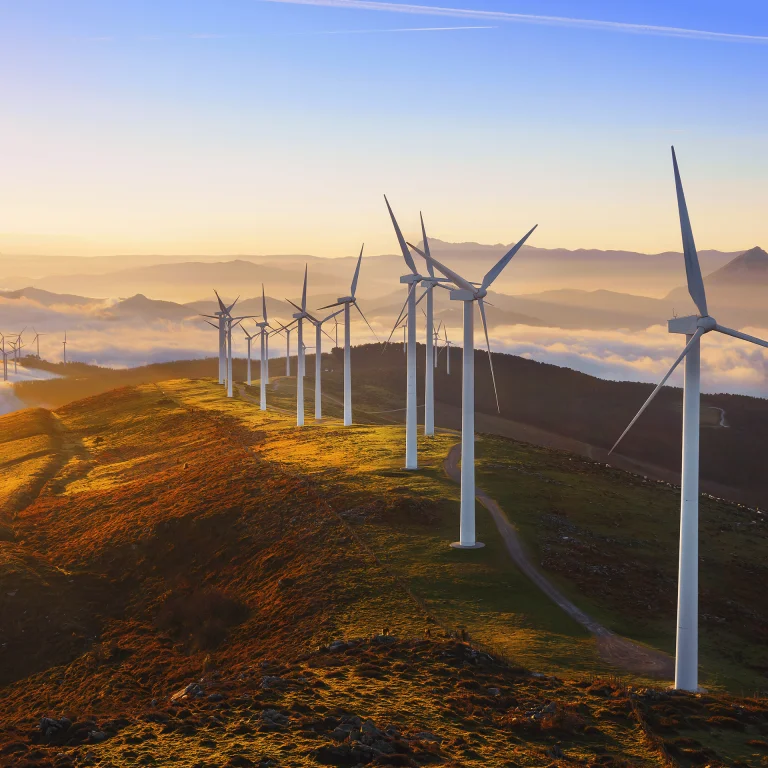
(504, 260)
(296, 306)
(490, 358)
(332, 315)
(232, 305)
(740, 335)
(692, 268)
(357, 272)
(328, 306)
(418, 301)
(455, 278)
(213, 325)
(400, 316)
(222, 306)
(424, 240)
(263, 304)
(304, 292)
(696, 336)
(354, 304)
(410, 263)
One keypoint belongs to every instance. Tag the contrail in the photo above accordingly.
(524, 18)
(377, 31)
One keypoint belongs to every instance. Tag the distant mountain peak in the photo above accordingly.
(750, 265)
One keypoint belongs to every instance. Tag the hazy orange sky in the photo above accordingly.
(193, 126)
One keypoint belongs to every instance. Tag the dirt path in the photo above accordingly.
(614, 649)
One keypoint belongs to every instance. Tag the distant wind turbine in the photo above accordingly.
(65, 347)
(469, 294)
(36, 341)
(249, 338)
(5, 358)
(319, 360)
(694, 327)
(346, 302)
(411, 279)
(299, 317)
(264, 329)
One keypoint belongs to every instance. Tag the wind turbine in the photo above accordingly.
(447, 352)
(249, 338)
(65, 347)
(319, 360)
(411, 280)
(36, 340)
(694, 327)
(469, 294)
(299, 317)
(264, 328)
(5, 358)
(346, 302)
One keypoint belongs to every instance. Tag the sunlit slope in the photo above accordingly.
(29, 442)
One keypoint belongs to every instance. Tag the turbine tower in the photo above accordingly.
(65, 347)
(346, 302)
(248, 338)
(469, 294)
(693, 327)
(410, 279)
(319, 360)
(264, 328)
(36, 341)
(5, 358)
(299, 317)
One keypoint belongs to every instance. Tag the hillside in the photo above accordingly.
(540, 403)
(202, 584)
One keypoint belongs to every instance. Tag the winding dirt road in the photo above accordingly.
(614, 649)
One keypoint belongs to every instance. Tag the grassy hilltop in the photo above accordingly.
(189, 581)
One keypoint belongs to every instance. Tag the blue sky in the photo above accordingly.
(265, 127)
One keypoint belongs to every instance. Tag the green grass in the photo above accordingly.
(480, 591)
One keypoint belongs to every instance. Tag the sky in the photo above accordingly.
(262, 126)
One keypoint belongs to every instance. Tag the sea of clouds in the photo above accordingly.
(95, 336)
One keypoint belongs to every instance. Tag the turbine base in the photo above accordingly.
(459, 545)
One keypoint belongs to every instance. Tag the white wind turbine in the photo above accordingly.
(469, 294)
(319, 360)
(299, 317)
(5, 358)
(694, 327)
(264, 329)
(221, 319)
(411, 279)
(65, 347)
(249, 338)
(346, 302)
(36, 341)
(447, 352)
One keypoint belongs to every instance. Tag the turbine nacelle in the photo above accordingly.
(411, 278)
(692, 323)
(345, 300)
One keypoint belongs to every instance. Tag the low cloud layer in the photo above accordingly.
(728, 365)
(95, 337)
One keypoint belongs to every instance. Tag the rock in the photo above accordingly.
(270, 681)
(97, 736)
(427, 736)
(193, 690)
(338, 645)
(215, 697)
(494, 692)
(332, 755)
